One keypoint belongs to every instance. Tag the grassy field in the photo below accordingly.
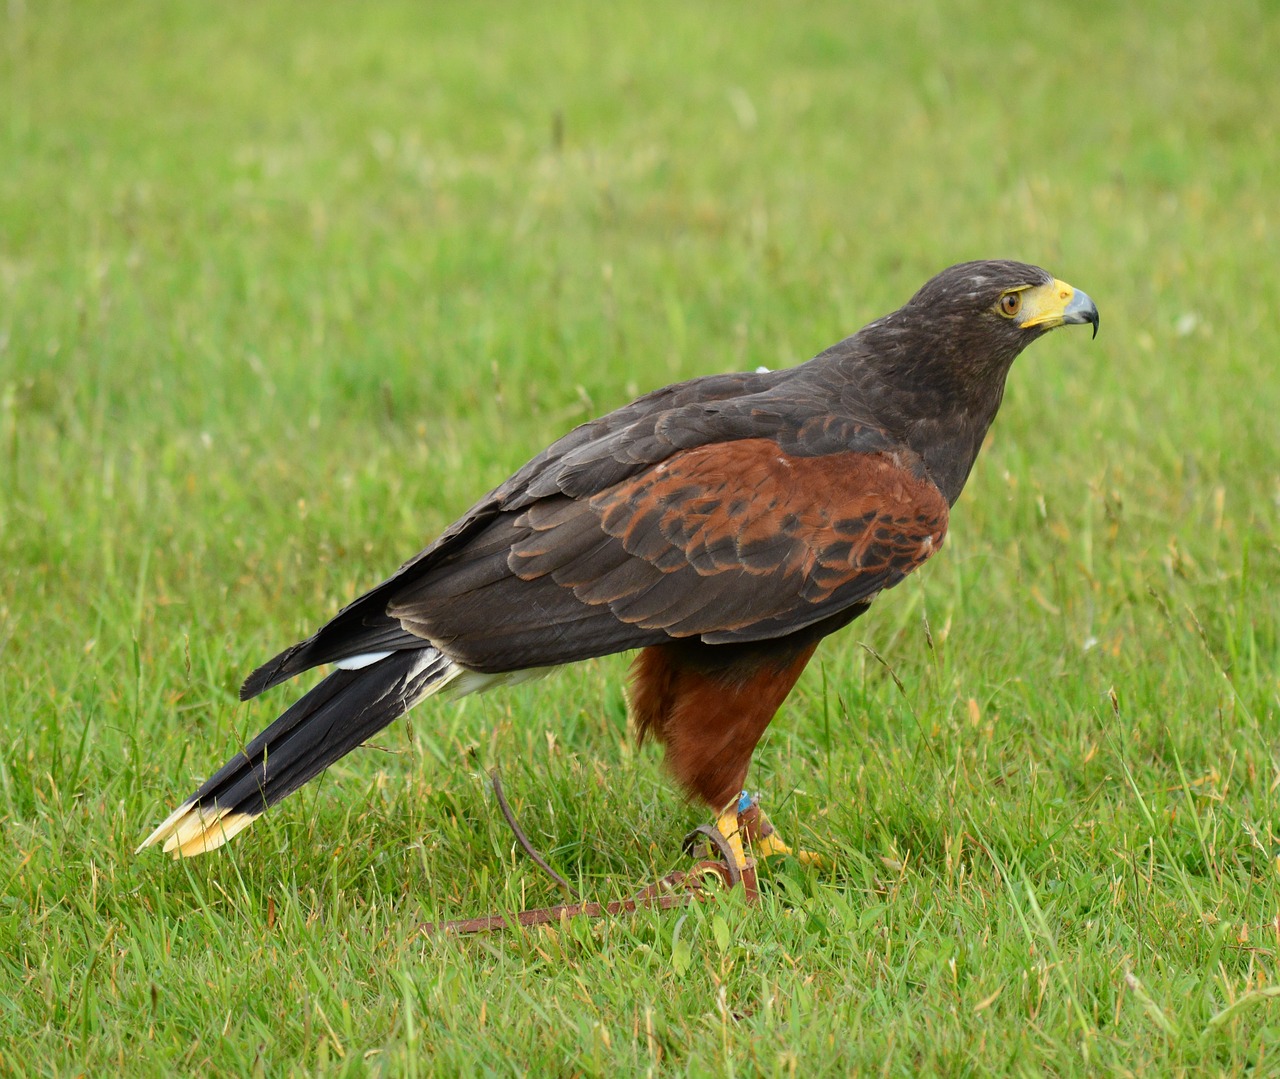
(284, 287)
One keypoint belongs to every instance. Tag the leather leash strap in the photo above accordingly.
(677, 889)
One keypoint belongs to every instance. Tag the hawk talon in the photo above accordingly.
(763, 837)
(742, 826)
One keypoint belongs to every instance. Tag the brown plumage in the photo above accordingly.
(709, 706)
(723, 525)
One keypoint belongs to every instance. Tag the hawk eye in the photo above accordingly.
(1010, 304)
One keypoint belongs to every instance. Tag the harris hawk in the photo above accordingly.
(723, 526)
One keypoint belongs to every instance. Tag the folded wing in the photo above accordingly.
(732, 541)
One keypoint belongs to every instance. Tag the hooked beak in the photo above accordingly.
(1057, 304)
(1081, 309)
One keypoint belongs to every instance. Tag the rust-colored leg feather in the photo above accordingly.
(709, 705)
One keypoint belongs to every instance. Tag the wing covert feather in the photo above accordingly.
(725, 537)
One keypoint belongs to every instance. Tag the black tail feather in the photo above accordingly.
(332, 719)
(347, 708)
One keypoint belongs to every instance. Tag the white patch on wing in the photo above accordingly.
(456, 680)
(466, 682)
(364, 659)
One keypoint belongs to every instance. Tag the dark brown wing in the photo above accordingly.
(739, 540)
(736, 541)
(477, 593)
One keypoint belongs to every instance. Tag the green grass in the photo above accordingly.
(284, 287)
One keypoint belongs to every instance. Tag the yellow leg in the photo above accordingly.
(765, 839)
(727, 824)
(770, 845)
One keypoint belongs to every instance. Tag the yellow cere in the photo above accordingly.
(1044, 305)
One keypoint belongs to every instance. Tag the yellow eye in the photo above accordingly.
(1010, 304)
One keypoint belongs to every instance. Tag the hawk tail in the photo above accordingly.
(344, 710)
